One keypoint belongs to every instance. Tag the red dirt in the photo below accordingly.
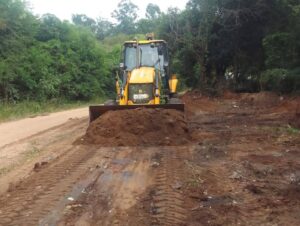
(295, 121)
(230, 95)
(243, 168)
(264, 99)
(195, 101)
(147, 127)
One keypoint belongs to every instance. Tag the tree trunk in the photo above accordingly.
(203, 72)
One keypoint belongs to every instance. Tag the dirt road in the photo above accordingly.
(243, 168)
(17, 130)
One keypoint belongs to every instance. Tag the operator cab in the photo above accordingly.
(150, 53)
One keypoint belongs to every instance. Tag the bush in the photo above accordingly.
(281, 80)
(293, 79)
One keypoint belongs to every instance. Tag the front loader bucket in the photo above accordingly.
(98, 110)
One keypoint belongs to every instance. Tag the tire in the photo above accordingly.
(174, 101)
(174, 95)
(110, 103)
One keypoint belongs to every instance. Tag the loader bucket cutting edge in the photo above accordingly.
(98, 110)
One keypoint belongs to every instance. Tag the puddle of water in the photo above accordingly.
(106, 177)
(213, 201)
(124, 161)
(127, 175)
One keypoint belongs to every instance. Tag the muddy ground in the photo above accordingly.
(242, 168)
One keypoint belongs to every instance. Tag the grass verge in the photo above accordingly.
(9, 111)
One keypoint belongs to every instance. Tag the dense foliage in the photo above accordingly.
(248, 45)
(46, 58)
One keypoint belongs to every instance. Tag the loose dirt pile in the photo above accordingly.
(295, 121)
(138, 127)
(262, 99)
(195, 101)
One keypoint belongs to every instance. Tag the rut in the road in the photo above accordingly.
(35, 198)
(168, 202)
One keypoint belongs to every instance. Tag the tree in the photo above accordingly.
(150, 23)
(246, 44)
(104, 28)
(152, 11)
(126, 15)
(236, 41)
(45, 58)
(190, 32)
(49, 28)
(85, 21)
(17, 29)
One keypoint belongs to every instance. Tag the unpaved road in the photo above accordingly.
(17, 130)
(242, 169)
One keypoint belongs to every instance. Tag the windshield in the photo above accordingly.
(148, 55)
(130, 58)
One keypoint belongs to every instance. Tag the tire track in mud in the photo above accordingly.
(167, 206)
(123, 180)
(35, 197)
(17, 158)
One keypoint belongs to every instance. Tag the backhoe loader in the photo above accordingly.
(143, 80)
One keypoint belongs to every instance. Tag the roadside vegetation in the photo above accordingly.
(9, 111)
(248, 45)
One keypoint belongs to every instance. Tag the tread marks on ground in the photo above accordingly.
(49, 184)
(168, 203)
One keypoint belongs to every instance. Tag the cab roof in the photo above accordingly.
(145, 41)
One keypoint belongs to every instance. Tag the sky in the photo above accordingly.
(64, 9)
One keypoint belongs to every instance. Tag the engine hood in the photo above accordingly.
(142, 75)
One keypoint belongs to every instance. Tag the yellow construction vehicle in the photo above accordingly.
(144, 79)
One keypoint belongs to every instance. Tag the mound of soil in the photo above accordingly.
(295, 121)
(195, 101)
(262, 99)
(288, 105)
(228, 95)
(138, 127)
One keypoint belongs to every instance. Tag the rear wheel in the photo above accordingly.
(175, 101)
(174, 95)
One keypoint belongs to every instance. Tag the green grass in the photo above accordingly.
(9, 111)
(293, 131)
